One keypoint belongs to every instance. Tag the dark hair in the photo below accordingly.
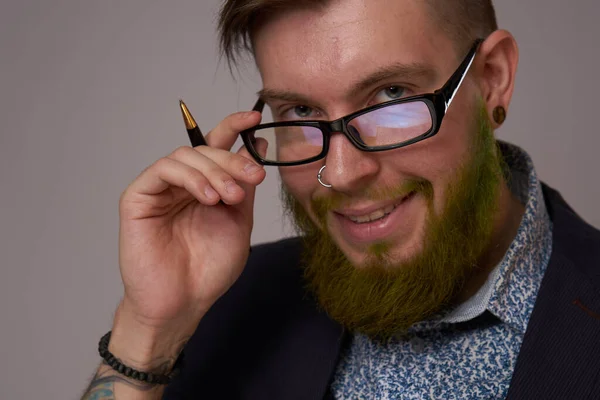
(462, 21)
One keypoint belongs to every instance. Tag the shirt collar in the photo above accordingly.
(521, 271)
(511, 288)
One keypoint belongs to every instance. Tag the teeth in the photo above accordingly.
(375, 215)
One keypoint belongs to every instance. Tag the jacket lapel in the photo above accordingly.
(560, 354)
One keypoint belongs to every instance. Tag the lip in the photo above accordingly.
(375, 230)
(360, 211)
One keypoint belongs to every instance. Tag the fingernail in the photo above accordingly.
(210, 192)
(230, 187)
(247, 115)
(251, 168)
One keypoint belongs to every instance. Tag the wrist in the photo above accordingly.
(153, 376)
(146, 347)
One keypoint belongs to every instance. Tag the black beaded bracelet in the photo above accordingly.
(148, 377)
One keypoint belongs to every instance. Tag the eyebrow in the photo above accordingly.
(415, 72)
(267, 95)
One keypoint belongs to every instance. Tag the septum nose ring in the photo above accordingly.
(320, 176)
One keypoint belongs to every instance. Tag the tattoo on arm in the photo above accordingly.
(102, 386)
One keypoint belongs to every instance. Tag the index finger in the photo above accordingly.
(224, 135)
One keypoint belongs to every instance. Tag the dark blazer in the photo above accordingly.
(266, 338)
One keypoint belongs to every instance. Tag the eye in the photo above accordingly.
(298, 112)
(390, 93)
(394, 92)
(302, 111)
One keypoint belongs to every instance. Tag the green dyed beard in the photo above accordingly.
(384, 296)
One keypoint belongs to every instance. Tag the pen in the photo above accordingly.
(196, 137)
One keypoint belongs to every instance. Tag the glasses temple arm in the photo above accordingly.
(451, 87)
(258, 106)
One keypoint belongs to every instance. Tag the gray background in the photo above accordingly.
(88, 98)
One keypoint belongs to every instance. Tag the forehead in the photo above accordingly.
(324, 49)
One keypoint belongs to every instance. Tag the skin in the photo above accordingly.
(180, 249)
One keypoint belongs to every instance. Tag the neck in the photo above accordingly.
(506, 224)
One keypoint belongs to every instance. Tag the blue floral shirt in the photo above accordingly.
(471, 352)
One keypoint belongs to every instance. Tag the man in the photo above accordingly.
(432, 262)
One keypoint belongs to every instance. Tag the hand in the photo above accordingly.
(185, 226)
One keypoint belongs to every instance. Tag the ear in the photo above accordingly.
(500, 56)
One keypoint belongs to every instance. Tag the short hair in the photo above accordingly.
(462, 21)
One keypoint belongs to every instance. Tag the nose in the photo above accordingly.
(349, 170)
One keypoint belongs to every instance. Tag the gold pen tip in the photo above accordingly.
(190, 123)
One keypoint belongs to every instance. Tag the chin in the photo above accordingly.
(386, 255)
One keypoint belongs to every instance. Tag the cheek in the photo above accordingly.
(301, 182)
(437, 160)
(452, 151)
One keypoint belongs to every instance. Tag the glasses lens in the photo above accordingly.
(291, 143)
(393, 124)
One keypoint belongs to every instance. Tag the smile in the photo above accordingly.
(374, 216)
(368, 224)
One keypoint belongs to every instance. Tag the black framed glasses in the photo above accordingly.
(385, 126)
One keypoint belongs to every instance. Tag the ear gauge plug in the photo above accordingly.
(499, 115)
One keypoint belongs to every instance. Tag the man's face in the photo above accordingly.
(348, 56)
(320, 56)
